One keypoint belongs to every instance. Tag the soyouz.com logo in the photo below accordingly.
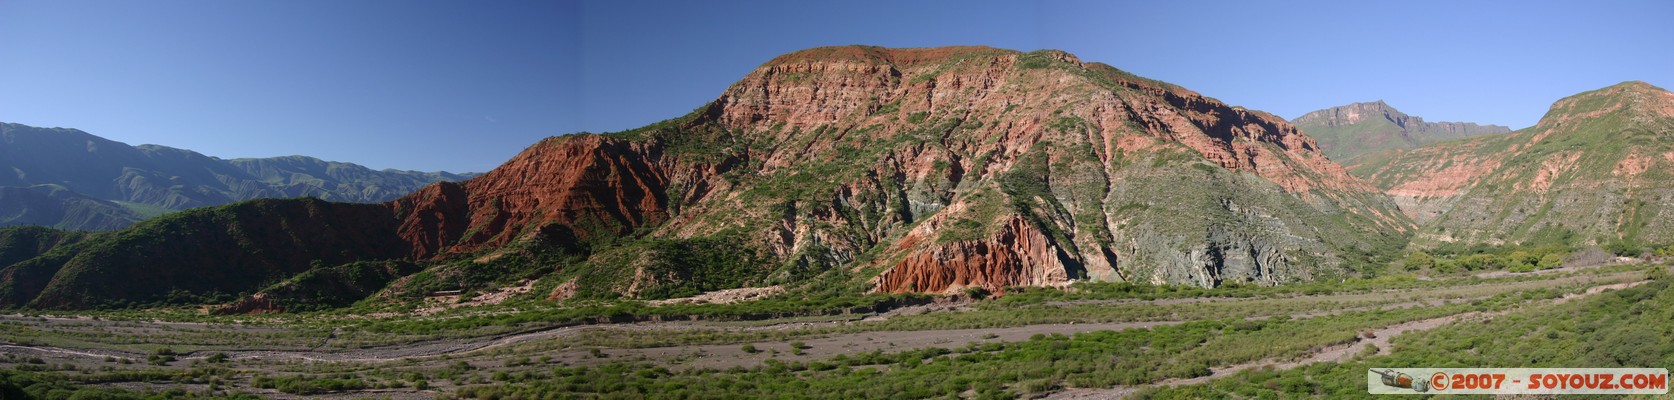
(1517, 381)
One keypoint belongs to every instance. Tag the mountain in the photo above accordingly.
(202, 254)
(832, 170)
(21, 243)
(58, 207)
(1347, 132)
(70, 179)
(1598, 168)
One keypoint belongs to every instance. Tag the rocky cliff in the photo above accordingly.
(571, 188)
(1596, 169)
(1347, 132)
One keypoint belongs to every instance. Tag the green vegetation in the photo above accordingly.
(26, 385)
(1455, 258)
(688, 267)
(1625, 328)
(1253, 323)
(831, 198)
(308, 385)
(191, 257)
(998, 370)
(323, 288)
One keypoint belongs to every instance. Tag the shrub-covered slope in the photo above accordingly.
(1597, 169)
(200, 255)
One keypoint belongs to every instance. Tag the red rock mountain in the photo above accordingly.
(943, 168)
(927, 170)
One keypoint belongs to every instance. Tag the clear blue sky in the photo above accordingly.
(462, 86)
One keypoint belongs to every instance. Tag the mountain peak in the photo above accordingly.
(1633, 89)
(883, 55)
(939, 158)
(1346, 132)
(1638, 85)
(1637, 100)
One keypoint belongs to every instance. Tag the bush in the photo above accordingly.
(1419, 260)
(300, 385)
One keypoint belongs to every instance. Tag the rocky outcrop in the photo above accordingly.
(1017, 255)
(570, 188)
(1347, 132)
(826, 154)
(254, 304)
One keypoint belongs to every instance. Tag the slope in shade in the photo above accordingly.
(857, 168)
(202, 254)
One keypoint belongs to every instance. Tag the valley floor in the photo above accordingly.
(1091, 342)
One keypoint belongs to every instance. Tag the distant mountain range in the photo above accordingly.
(1346, 132)
(69, 179)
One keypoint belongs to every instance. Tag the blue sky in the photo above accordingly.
(462, 86)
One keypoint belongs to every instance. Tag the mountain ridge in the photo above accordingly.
(147, 178)
(1350, 131)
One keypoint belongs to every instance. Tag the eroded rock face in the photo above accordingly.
(954, 122)
(1017, 255)
(955, 167)
(573, 187)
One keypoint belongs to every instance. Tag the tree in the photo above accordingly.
(1551, 261)
(1418, 260)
